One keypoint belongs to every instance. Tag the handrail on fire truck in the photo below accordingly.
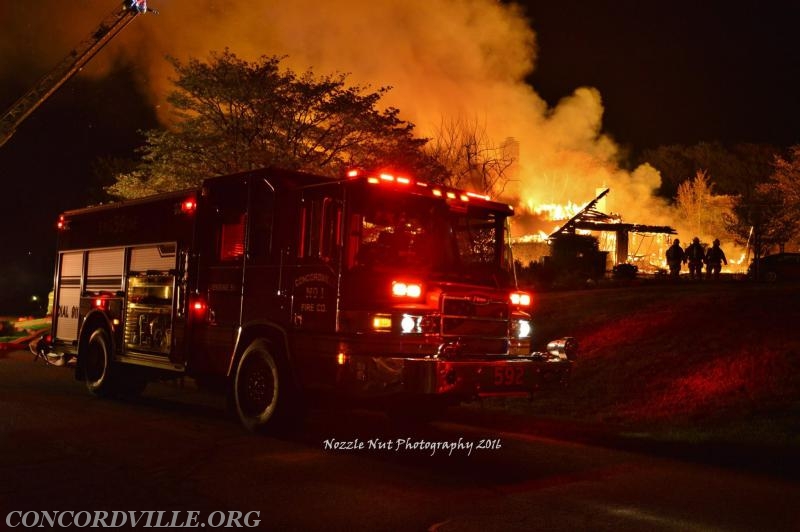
(108, 28)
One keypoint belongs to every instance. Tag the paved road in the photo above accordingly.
(175, 449)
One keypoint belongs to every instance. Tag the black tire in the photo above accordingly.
(97, 365)
(261, 389)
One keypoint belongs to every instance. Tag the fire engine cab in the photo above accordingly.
(284, 284)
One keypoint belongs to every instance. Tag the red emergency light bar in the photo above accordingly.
(438, 191)
(479, 196)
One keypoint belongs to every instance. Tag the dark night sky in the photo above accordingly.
(668, 72)
(676, 72)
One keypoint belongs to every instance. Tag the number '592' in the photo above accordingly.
(509, 375)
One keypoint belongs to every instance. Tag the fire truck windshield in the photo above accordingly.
(412, 234)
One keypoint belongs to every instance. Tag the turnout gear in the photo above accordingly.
(714, 259)
(675, 257)
(695, 255)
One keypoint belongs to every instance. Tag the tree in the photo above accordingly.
(754, 221)
(473, 161)
(782, 192)
(785, 181)
(769, 215)
(736, 169)
(701, 211)
(233, 115)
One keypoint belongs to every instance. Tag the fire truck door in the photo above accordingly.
(315, 285)
(221, 268)
(265, 300)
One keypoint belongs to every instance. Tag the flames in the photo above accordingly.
(535, 222)
(554, 211)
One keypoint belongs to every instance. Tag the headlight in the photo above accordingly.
(521, 329)
(409, 324)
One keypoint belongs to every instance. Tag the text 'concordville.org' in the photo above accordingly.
(131, 518)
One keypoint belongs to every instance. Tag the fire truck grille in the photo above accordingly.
(479, 324)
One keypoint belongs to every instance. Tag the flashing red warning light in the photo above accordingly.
(100, 303)
(522, 299)
(61, 224)
(479, 196)
(198, 307)
(403, 289)
(388, 179)
(188, 206)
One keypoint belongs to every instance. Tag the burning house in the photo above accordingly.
(592, 242)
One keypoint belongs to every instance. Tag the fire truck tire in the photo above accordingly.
(98, 369)
(261, 388)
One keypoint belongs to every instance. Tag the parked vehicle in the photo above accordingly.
(778, 267)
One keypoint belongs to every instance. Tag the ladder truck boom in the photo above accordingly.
(108, 28)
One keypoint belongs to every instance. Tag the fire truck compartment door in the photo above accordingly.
(104, 270)
(69, 295)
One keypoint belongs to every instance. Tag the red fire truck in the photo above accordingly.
(283, 284)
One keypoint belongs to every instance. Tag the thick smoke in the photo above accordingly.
(443, 58)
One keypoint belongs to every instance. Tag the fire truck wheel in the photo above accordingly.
(259, 388)
(97, 366)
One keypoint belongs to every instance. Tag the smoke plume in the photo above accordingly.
(443, 58)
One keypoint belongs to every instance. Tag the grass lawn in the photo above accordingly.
(707, 361)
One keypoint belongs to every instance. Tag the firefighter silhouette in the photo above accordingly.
(714, 259)
(675, 257)
(695, 255)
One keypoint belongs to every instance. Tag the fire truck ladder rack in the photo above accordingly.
(109, 27)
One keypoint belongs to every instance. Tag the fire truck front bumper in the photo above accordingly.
(462, 378)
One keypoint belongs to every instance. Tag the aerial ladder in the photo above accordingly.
(109, 27)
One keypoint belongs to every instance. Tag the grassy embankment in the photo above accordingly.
(679, 361)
